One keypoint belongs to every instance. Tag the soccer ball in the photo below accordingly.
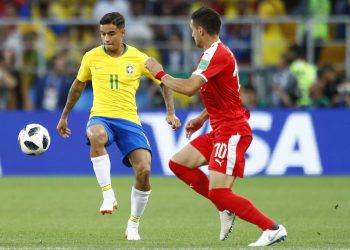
(34, 139)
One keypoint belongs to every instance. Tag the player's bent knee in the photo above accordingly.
(176, 157)
(172, 165)
(141, 165)
(177, 168)
(98, 138)
(143, 174)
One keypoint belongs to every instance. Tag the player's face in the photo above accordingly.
(112, 36)
(196, 34)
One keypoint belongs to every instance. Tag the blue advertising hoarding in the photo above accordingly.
(286, 142)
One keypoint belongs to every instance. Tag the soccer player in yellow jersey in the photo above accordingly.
(115, 69)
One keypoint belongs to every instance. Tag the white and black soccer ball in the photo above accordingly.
(34, 139)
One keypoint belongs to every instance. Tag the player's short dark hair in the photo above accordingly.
(208, 18)
(113, 18)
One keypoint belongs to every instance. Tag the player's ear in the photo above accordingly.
(122, 30)
(201, 30)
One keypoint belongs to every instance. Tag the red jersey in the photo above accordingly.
(220, 93)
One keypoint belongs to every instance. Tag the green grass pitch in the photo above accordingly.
(62, 213)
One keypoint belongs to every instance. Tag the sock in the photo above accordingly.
(241, 207)
(102, 168)
(139, 201)
(195, 178)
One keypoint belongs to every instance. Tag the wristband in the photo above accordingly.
(160, 74)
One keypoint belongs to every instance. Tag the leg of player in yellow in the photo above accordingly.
(140, 159)
(102, 166)
(185, 165)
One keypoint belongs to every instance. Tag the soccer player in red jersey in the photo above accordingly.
(224, 148)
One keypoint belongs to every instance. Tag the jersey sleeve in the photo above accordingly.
(145, 71)
(84, 72)
(209, 66)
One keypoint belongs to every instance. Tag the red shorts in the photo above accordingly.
(225, 152)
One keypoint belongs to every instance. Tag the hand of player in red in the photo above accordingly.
(173, 121)
(192, 126)
(153, 66)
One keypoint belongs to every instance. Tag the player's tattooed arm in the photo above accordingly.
(171, 118)
(168, 99)
(73, 96)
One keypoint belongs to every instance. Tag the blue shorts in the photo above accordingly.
(128, 135)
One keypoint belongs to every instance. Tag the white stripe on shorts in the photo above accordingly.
(231, 155)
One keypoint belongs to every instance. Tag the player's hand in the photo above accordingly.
(153, 66)
(173, 121)
(192, 126)
(62, 128)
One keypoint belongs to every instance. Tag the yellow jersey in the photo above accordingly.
(115, 81)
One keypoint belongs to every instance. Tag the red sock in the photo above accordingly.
(195, 178)
(240, 206)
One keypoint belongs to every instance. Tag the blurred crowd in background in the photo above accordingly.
(42, 43)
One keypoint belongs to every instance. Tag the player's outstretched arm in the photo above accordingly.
(171, 118)
(184, 86)
(73, 96)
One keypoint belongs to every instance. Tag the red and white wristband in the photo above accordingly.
(160, 75)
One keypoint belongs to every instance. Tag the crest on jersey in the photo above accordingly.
(129, 69)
